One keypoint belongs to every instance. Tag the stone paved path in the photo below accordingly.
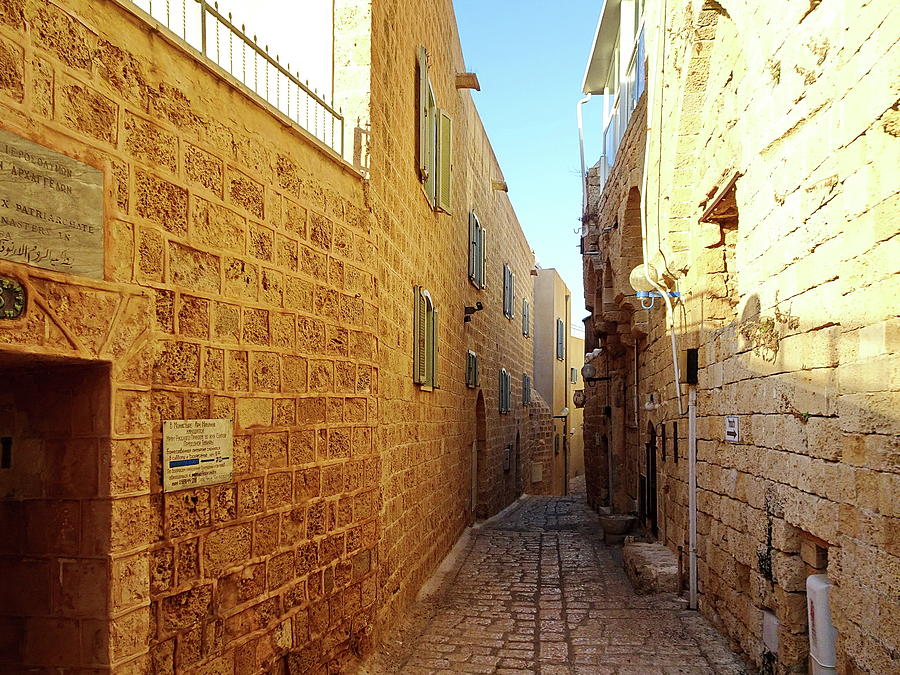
(536, 591)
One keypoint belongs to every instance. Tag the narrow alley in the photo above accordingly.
(535, 590)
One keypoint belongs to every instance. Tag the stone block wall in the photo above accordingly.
(427, 437)
(252, 275)
(789, 151)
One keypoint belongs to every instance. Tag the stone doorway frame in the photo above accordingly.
(71, 320)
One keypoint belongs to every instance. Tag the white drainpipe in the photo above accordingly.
(670, 312)
(692, 494)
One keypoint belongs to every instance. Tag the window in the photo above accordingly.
(425, 340)
(526, 318)
(471, 369)
(504, 391)
(476, 251)
(509, 292)
(526, 389)
(560, 339)
(435, 143)
(573, 375)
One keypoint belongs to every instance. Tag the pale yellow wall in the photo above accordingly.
(787, 311)
(553, 301)
(576, 415)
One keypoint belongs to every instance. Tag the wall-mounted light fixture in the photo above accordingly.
(471, 310)
(644, 288)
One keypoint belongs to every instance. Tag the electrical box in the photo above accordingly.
(689, 365)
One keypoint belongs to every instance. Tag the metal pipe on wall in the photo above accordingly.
(692, 495)
(645, 182)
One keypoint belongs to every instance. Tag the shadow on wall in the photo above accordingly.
(816, 450)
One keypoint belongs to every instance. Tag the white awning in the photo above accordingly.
(596, 73)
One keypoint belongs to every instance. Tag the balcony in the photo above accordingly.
(216, 38)
(624, 102)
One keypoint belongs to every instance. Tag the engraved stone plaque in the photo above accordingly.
(51, 209)
(196, 452)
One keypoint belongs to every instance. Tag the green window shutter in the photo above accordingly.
(473, 247)
(419, 356)
(482, 252)
(506, 290)
(430, 147)
(506, 382)
(444, 161)
(526, 389)
(512, 295)
(471, 369)
(560, 339)
(526, 317)
(435, 332)
(423, 114)
(501, 389)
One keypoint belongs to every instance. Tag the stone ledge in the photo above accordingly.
(652, 568)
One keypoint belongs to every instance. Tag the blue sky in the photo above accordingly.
(530, 57)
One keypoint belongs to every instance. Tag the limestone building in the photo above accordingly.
(748, 186)
(552, 358)
(576, 411)
(246, 408)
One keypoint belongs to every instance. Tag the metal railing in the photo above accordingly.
(201, 25)
(626, 99)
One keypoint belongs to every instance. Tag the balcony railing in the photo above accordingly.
(626, 99)
(219, 40)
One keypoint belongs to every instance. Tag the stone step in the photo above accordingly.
(652, 568)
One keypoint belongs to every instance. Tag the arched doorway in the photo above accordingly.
(479, 465)
(517, 458)
(647, 486)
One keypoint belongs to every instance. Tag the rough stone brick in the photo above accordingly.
(226, 547)
(187, 511)
(251, 494)
(203, 168)
(261, 242)
(186, 608)
(246, 193)
(216, 226)
(265, 535)
(279, 490)
(266, 373)
(12, 71)
(270, 450)
(193, 270)
(177, 363)
(61, 33)
(302, 447)
(241, 279)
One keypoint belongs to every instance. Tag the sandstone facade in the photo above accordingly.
(250, 274)
(771, 200)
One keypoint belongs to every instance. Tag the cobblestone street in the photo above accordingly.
(536, 591)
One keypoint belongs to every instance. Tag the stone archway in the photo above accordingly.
(479, 461)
